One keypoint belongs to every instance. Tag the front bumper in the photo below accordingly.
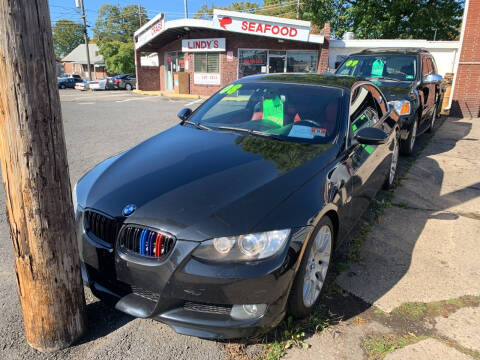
(192, 296)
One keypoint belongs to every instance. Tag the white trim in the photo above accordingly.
(394, 43)
(457, 59)
(220, 12)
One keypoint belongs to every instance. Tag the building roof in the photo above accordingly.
(158, 32)
(79, 55)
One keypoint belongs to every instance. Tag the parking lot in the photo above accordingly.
(412, 246)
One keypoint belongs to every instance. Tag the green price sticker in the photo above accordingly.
(354, 62)
(377, 68)
(349, 63)
(233, 89)
(226, 88)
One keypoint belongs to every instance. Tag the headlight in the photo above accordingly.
(244, 247)
(401, 106)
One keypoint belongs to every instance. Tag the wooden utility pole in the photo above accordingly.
(85, 37)
(35, 176)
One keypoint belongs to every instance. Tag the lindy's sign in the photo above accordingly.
(262, 25)
(197, 45)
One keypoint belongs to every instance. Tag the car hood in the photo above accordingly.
(395, 90)
(198, 184)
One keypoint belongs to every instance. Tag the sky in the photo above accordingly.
(65, 9)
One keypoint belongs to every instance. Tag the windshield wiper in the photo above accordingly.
(197, 125)
(250, 131)
(384, 78)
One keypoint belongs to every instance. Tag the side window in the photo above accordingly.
(363, 109)
(433, 66)
(427, 66)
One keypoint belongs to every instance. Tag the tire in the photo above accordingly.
(433, 120)
(128, 87)
(392, 171)
(300, 306)
(407, 145)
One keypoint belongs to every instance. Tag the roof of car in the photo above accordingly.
(343, 82)
(406, 51)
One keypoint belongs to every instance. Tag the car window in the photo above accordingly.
(427, 66)
(433, 66)
(363, 109)
(399, 67)
(305, 113)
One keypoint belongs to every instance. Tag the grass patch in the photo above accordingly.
(415, 311)
(291, 333)
(401, 204)
(377, 347)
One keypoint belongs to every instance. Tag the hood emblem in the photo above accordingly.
(129, 209)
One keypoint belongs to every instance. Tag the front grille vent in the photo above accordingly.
(208, 308)
(147, 294)
(102, 226)
(146, 242)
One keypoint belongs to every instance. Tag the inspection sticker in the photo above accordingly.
(318, 131)
(300, 131)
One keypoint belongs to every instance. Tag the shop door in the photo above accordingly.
(170, 68)
(277, 64)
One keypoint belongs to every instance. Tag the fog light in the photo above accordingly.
(248, 311)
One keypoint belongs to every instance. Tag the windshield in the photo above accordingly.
(398, 67)
(291, 112)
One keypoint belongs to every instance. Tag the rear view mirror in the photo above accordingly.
(371, 136)
(184, 114)
(432, 79)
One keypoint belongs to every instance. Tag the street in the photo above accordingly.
(102, 124)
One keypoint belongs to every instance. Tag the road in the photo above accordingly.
(97, 126)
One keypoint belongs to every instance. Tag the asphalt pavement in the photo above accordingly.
(101, 124)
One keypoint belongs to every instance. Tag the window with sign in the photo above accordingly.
(207, 62)
(302, 61)
(252, 62)
(398, 67)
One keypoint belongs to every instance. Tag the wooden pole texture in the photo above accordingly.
(36, 180)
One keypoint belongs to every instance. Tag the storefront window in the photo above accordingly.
(252, 62)
(302, 61)
(207, 63)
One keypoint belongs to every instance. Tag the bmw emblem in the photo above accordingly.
(129, 210)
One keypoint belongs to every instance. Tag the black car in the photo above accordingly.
(70, 82)
(123, 81)
(225, 222)
(409, 79)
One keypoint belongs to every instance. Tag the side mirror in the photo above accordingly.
(432, 79)
(371, 136)
(184, 114)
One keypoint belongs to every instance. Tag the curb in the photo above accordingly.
(169, 94)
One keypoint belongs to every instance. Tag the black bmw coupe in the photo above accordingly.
(222, 224)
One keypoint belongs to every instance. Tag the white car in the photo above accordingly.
(98, 84)
(81, 85)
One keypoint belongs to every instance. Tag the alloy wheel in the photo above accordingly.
(317, 266)
(434, 117)
(393, 164)
(414, 134)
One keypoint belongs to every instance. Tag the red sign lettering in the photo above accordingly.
(252, 26)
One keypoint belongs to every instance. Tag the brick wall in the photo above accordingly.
(154, 78)
(466, 98)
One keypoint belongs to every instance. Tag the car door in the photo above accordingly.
(367, 109)
(427, 93)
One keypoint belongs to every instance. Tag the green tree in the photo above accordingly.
(206, 12)
(67, 35)
(387, 19)
(114, 31)
(281, 8)
(119, 56)
(383, 19)
(115, 23)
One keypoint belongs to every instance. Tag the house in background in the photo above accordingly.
(76, 62)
